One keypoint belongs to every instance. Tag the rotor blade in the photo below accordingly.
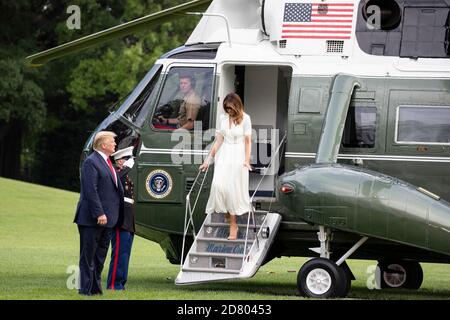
(38, 59)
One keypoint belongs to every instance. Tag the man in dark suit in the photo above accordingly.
(98, 210)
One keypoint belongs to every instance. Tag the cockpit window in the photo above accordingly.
(185, 99)
(138, 110)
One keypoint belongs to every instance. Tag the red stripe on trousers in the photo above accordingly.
(116, 258)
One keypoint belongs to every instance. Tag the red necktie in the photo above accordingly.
(112, 169)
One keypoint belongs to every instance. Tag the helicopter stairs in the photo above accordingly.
(212, 257)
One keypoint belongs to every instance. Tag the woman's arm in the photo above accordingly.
(248, 151)
(217, 143)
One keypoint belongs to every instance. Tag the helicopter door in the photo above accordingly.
(264, 90)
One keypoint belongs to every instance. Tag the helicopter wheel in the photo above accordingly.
(400, 275)
(322, 278)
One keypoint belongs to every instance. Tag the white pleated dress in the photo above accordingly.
(229, 188)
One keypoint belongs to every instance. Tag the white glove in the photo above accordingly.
(129, 163)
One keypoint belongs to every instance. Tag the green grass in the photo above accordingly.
(38, 242)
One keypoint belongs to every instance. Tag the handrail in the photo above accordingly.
(270, 163)
(190, 210)
(252, 212)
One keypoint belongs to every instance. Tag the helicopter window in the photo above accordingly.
(425, 32)
(137, 112)
(360, 127)
(197, 54)
(404, 29)
(185, 99)
(423, 124)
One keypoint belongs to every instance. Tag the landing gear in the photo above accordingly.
(400, 274)
(322, 277)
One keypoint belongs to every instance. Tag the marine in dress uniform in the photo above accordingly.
(123, 233)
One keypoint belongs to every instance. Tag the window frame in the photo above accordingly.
(397, 118)
(165, 75)
(148, 101)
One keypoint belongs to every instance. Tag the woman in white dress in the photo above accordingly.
(231, 149)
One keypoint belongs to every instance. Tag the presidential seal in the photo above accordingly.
(159, 184)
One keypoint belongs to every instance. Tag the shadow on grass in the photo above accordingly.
(252, 287)
(255, 287)
(398, 294)
(276, 290)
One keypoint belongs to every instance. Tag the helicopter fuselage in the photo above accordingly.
(396, 123)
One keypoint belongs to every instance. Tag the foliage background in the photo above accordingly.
(46, 114)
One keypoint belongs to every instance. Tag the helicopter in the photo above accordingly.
(350, 106)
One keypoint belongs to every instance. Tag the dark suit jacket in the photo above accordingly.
(99, 194)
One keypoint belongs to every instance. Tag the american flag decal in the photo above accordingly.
(317, 21)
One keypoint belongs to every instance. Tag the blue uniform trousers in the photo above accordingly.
(121, 242)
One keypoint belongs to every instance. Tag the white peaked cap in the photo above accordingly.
(119, 154)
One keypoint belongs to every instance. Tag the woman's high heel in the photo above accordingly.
(235, 235)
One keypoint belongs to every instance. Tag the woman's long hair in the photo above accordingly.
(234, 102)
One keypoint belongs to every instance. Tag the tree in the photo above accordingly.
(22, 105)
(78, 89)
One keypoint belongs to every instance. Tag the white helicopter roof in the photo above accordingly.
(319, 37)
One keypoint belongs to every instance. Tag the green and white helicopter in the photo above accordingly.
(350, 106)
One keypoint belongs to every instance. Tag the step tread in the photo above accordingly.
(226, 224)
(215, 254)
(264, 199)
(257, 212)
(210, 270)
(224, 240)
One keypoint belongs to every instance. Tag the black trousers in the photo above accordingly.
(94, 244)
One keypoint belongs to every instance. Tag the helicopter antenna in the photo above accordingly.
(227, 22)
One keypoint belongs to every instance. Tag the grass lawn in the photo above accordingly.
(39, 242)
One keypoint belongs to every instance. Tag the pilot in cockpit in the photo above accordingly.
(189, 106)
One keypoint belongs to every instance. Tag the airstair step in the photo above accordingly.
(190, 269)
(213, 254)
(212, 257)
(243, 219)
(215, 261)
(222, 231)
(226, 224)
(224, 246)
(223, 240)
(264, 199)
